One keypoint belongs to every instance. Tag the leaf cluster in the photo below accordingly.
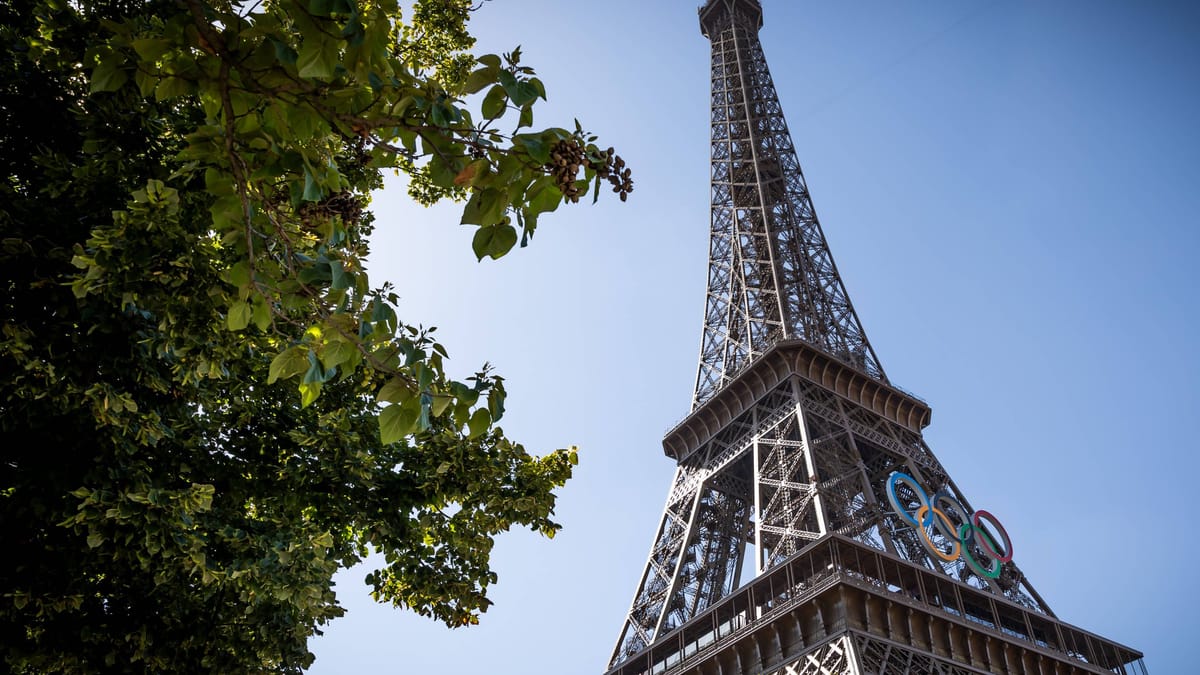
(206, 406)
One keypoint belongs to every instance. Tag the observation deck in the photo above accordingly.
(899, 616)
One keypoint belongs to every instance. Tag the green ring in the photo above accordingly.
(966, 553)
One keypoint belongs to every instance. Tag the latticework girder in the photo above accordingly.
(798, 463)
(801, 463)
(771, 275)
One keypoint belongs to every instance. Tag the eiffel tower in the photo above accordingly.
(800, 458)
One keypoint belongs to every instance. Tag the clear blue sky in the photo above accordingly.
(1010, 191)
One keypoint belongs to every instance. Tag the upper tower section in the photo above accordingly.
(771, 276)
(714, 15)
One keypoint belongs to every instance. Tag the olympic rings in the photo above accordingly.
(943, 514)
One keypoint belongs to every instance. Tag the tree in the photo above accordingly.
(206, 407)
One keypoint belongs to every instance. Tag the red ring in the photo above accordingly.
(986, 544)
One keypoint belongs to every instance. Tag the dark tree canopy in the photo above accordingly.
(206, 407)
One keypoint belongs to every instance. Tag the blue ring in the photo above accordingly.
(895, 500)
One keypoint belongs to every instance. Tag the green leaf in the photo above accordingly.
(397, 421)
(486, 207)
(323, 540)
(289, 363)
(479, 79)
(480, 420)
(239, 274)
(312, 189)
(395, 390)
(220, 184)
(146, 82)
(425, 377)
(538, 87)
(423, 422)
(315, 373)
(522, 94)
(442, 171)
(171, 87)
(439, 404)
(494, 241)
(149, 49)
(496, 403)
(354, 32)
(537, 148)
(544, 196)
(336, 353)
(309, 391)
(262, 314)
(317, 59)
(95, 540)
(304, 124)
(382, 312)
(283, 52)
(341, 279)
(490, 60)
(108, 75)
(494, 103)
(239, 316)
(509, 82)
(465, 395)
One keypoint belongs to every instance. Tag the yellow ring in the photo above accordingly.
(921, 513)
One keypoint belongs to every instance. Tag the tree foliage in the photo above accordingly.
(207, 409)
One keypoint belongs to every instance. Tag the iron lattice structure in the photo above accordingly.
(787, 456)
(771, 276)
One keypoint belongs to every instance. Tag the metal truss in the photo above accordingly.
(800, 463)
(856, 654)
(794, 434)
(885, 658)
(771, 276)
(835, 658)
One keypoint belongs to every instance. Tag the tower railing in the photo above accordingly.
(836, 560)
